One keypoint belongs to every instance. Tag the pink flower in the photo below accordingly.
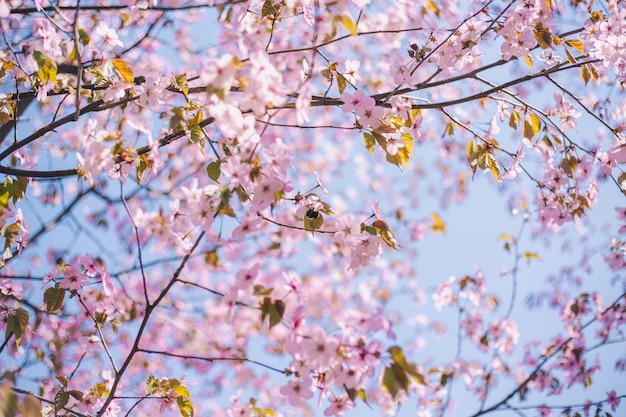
(297, 391)
(246, 277)
(352, 101)
(74, 279)
(338, 406)
(109, 35)
(613, 400)
(11, 288)
(394, 143)
(5, 8)
(544, 411)
(351, 72)
(618, 149)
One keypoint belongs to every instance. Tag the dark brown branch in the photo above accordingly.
(545, 359)
(29, 10)
(144, 324)
(210, 359)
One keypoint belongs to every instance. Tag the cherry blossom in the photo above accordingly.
(299, 207)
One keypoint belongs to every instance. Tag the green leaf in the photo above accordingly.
(4, 196)
(83, 36)
(395, 379)
(213, 170)
(274, 310)
(63, 380)
(270, 9)
(17, 323)
(53, 299)
(61, 400)
(19, 188)
(259, 289)
(196, 135)
(77, 395)
(369, 229)
(444, 380)
(185, 407)
(353, 394)
(409, 367)
(46, 68)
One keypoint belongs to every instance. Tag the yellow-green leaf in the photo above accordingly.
(576, 44)
(270, 9)
(152, 384)
(46, 68)
(585, 74)
(341, 83)
(213, 170)
(370, 142)
(124, 70)
(570, 57)
(182, 85)
(438, 225)
(535, 123)
(569, 164)
(594, 72)
(349, 24)
(273, 310)
(432, 5)
(61, 400)
(528, 130)
(529, 61)
(530, 256)
(514, 119)
(182, 391)
(17, 323)
(197, 118)
(543, 36)
(385, 233)
(395, 379)
(185, 407)
(493, 165)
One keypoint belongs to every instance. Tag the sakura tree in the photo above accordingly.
(286, 208)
